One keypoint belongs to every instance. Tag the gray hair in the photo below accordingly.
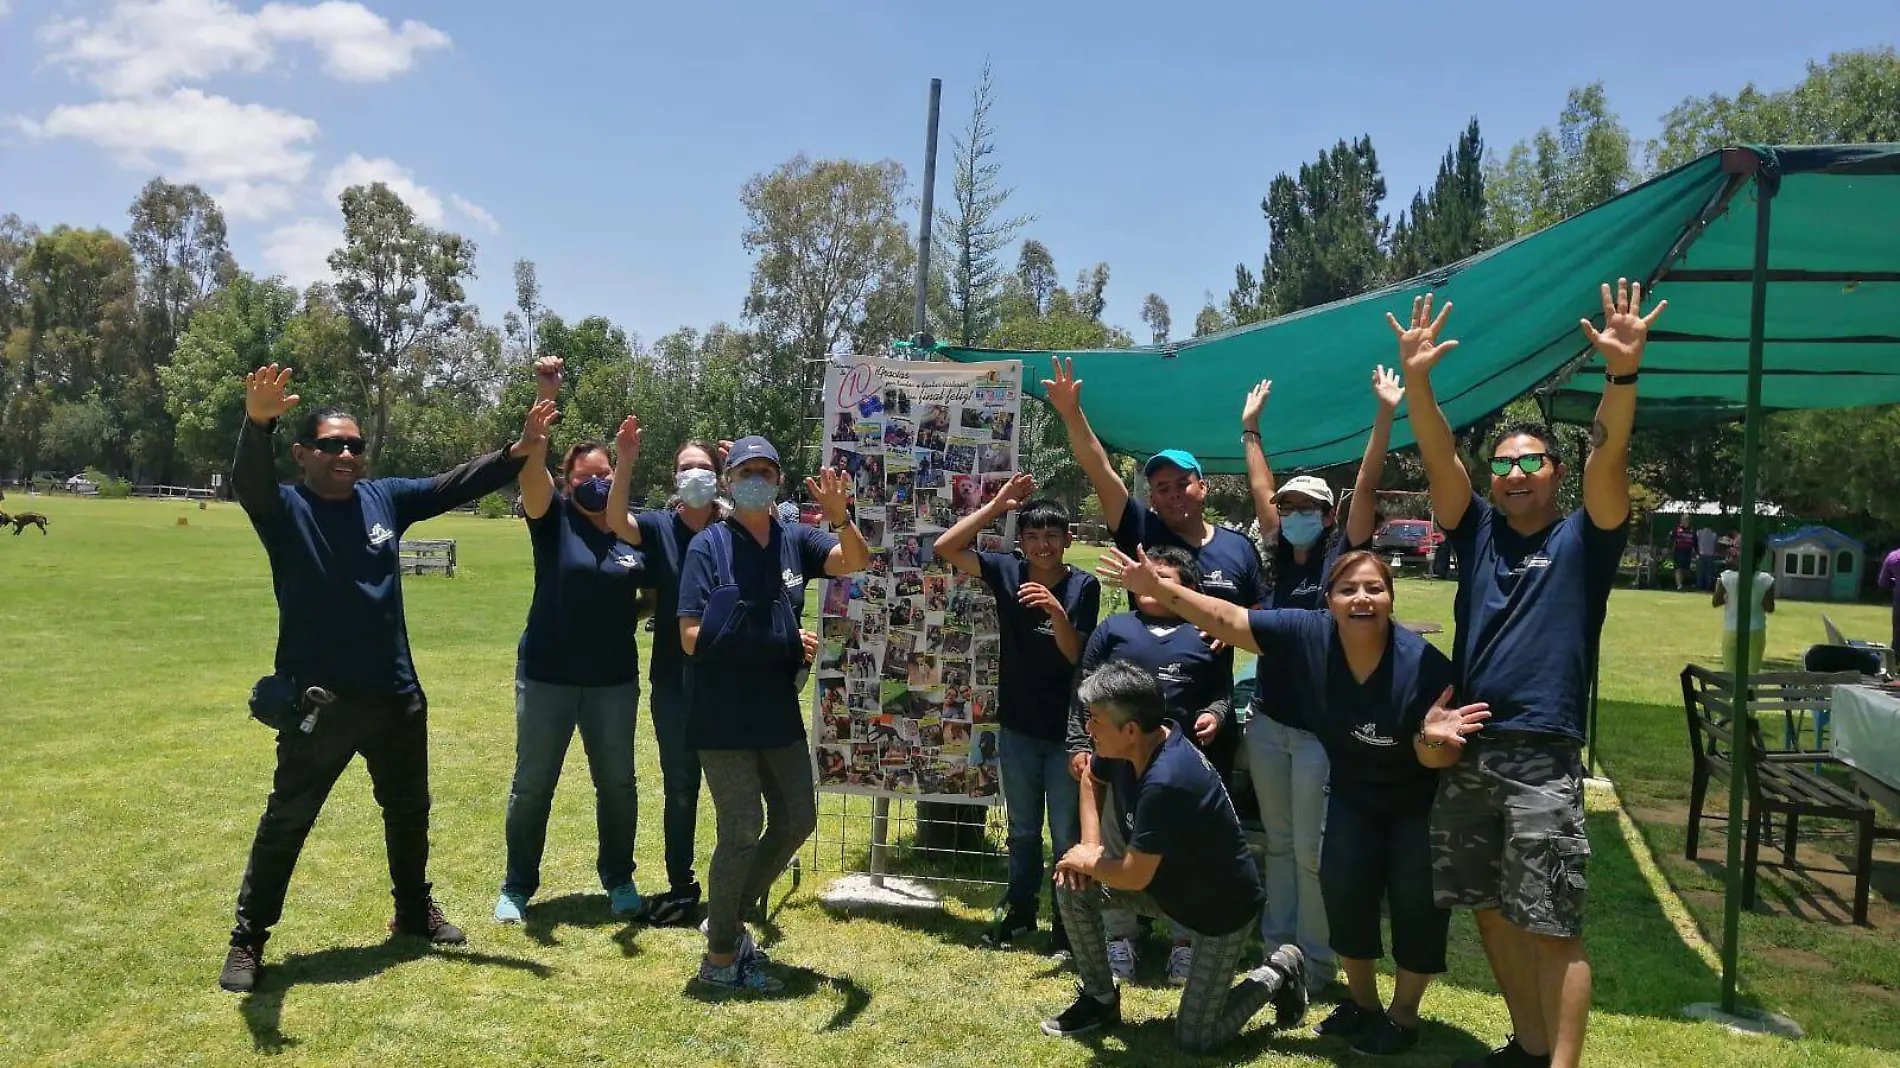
(1126, 694)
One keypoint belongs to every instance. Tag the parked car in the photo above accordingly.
(810, 514)
(1414, 539)
(80, 484)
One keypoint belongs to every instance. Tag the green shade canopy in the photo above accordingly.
(1832, 337)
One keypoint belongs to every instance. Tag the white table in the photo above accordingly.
(1866, 737)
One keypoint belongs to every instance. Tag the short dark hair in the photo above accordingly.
(1043, 513)
(1528, 429)
(576, 451)
(1181, 560)
(307, 430)
(1126, 693)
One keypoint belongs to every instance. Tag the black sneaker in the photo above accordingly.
(241, 966)
(1012, 922)
(1509, 1055)
(1345, 1021)
(1383, 1037)
(678, 907)
(1089, 1013)
(431, 925)
(1290, 1001)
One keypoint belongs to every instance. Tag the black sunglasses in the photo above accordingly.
(1530, 463)
(334, 446)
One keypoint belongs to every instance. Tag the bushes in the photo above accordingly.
(109, 487)
(494, 506)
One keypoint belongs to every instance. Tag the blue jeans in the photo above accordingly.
(1289, 770)
(679, 780)
(546, 716)
(1036, 780)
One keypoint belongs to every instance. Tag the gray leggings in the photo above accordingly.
(753, 791)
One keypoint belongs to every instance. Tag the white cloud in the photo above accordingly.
(247, 151)
(475, 212)
(256, 200)
(300, 251)
(5, 9)
(143, 46)
(401, 181)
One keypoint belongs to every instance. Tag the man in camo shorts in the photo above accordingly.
(1508, 835)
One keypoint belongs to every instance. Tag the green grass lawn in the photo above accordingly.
(133, 779)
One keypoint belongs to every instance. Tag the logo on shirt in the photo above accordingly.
(1047, 626)
(1368, 734)
(628, 561)
(1172, 673)
(1218, 580)
(378, 534)
(792, 579)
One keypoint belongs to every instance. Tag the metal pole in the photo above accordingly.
(1744, 577)
(924, 221)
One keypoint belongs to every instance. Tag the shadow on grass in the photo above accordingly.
(1149, 1042)
(263, 1008)
(542, 919)
(799, 983)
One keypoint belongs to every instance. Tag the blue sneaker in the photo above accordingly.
(742, 976)
(509, 907)
(626, 901)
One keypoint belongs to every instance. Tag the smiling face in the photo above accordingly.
(1360, 596)
(1043, 546)
(1177, 495)
(1522, 496)
(331, 474)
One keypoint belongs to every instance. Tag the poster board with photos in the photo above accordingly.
(907, 668)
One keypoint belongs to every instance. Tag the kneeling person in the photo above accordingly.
(1160, 838)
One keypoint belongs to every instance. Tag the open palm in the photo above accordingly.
(1064, 391)
(1386, 387)
(1625, 327)
(264, 394)
(1419, 347)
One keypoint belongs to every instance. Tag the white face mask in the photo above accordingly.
(696, 487)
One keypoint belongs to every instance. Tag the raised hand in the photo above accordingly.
(627, 440)
(1036, 595)
(1419, 347)
(1256, 400)
(1625, 327)
(1386, 387)
(831, 488)
(547, 376)
(534, 429)
(1064, 391)
(1015, 492)
(1450, 726)
(725, 447)
(1135, 574)
(264, 396)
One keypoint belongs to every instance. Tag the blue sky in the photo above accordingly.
(608, 141)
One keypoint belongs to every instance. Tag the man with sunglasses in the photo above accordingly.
(1507, 826)
(343, 683)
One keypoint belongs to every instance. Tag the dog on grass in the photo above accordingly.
(23, 520)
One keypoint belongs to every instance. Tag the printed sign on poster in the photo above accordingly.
(908, 665)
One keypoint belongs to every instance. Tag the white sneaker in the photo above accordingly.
(1121, 958)
(1180, 963)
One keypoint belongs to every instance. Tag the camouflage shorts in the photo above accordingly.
(1508, 833)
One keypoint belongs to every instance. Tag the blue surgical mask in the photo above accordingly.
(591, 495)
(754, 493)
(1302, 529)
(696, 487)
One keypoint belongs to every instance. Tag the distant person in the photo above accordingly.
(1762, 600)
(1682, 546)
(344, 683)
(1890, 580)
(1708, 558)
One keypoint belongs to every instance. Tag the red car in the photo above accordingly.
(1416, 538)
(810, 514)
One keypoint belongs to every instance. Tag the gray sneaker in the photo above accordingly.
(742, 976)
(747, 948)
(1286, 968)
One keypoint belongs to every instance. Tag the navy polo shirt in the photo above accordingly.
(581, 625)
(1037, 680)
(1529, 612)
(1230, 568)
(663, 540)
(1193, 677)
(1177, 809)
(1367, 728)
(750, 709)
(1294, 585)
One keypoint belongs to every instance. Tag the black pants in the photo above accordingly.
(1375, 850)
(392, 734)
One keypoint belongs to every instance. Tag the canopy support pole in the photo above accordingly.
(1745, 161)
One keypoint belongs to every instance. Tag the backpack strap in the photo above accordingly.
(720, 542)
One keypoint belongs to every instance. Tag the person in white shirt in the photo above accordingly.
(1707, 561)
(1762, 595)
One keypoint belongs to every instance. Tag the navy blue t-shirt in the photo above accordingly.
(1178, 810)
(663, 540)
(1037, 680)
(1529, 612)
(1367, 728)
(750, 709)
(581, 625)
(1294, 585)
(1230, 568)
(1194, 679)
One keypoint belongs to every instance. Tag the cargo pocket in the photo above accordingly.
(1569, 859)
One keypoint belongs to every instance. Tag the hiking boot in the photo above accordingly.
(1180, 964)
(1012, 922)
(241, 965)
(1383, 1037)
(1509, 1055)
(742, 976)
(1290, 1000)
(625, 901)
(510, 907)
(1088, 1013)
(429, 924)
(675, 908)
(1122, 958)
(1346, 1020)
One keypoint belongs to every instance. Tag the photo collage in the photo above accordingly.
(908, 664)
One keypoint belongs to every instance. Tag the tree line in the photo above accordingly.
(124, 353)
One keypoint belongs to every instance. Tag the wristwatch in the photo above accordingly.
(1245, 434)
(1620, 380)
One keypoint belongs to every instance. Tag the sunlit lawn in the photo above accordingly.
(133, 779)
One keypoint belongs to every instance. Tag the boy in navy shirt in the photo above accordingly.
(342, 649)
(1045, 610)
(1533, 586)
(1197, 686)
